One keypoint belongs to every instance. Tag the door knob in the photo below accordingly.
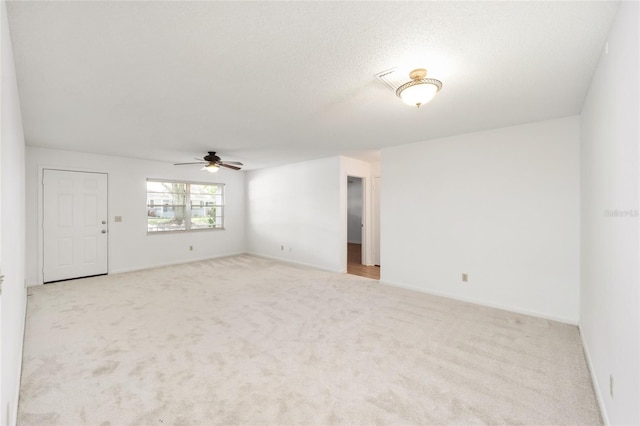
(104, 222)
(104, 231)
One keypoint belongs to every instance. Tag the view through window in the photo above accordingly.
(184, 206)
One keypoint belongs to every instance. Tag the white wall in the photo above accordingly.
(293, 213)
(130, 247)
(12, 246)
(609, 320)
(354, 210)
(298, 212)
(501, 206)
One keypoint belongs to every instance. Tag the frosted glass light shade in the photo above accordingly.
(211, 168)
(419, 92)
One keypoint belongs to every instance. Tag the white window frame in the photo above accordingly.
(188, 206)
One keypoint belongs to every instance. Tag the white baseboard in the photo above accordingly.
(178, 262)
(13, 419)
(160, 265)
(483, 303)
(198, 259)
(295, 262)
(594, 380)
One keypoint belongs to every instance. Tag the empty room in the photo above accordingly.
(320, 213)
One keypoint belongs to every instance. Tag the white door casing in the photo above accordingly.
(75, 239)
(376, 221)
(356, 197)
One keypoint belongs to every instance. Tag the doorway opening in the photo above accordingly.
(356, 248)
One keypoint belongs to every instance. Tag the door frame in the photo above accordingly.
(40, 185)
(366, 228)
(363, 240)
(376, 183)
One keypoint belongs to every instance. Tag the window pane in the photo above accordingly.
(205, 189)
(156, 199)
(202, 194)
(206, 217)
(166, 218)
(177, 187)
(206, 206)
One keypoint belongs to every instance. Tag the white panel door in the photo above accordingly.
(74, 224)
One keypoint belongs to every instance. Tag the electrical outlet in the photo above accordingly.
(465, 278)
(117, 219)
(290, 249)
(611, 385)
(190, 248)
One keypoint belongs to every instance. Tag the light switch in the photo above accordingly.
(117, 219)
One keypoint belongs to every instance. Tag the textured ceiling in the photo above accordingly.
(273, 82)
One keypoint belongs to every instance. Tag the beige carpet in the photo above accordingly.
(244, 340)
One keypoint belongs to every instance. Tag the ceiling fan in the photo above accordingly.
(212, 163)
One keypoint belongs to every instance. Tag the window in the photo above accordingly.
(184, 206)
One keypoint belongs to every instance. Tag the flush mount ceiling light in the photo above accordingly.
(420, 89)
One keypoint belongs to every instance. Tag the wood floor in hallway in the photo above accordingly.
(355, 266)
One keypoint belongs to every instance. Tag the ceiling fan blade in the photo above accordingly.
(235, 163)
(182, 164)
(228, 166)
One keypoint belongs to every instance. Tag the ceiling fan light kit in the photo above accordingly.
(420, 89)
(211, 168)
